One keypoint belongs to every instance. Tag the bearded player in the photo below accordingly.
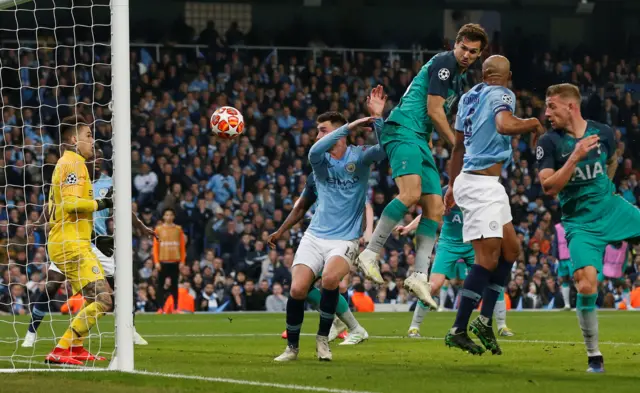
(103, 248)
(577, 159)
(405, 137)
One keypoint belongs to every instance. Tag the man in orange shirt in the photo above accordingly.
(169, 252)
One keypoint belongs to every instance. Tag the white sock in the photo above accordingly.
(418, 315)
(566, 293)
(588, 320)
(500, 314)
(443, 296)
(350, 320)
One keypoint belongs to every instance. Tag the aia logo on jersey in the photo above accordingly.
(587, 172)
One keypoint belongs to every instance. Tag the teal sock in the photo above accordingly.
(425, 240)
(391, 215)
(588, 320)
(586, 302)
(565, 284)
(343, 306)
(501, 296)
(313, 298)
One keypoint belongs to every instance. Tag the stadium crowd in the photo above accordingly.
(228, 196)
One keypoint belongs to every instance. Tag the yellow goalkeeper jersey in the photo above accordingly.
(71, 204)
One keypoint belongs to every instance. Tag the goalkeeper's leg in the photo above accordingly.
(41, 307)
(69, 348)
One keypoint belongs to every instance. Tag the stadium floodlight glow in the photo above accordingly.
(585, 7)
(61, 58)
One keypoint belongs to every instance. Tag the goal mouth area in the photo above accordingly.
(64, 60)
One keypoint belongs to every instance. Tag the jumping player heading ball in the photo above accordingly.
(405, 137)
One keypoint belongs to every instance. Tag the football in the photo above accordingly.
(227, 122)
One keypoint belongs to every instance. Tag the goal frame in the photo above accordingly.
(121, 101)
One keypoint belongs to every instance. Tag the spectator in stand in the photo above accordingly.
(254, 300)
(236, 300)
(207, 299)
(169, 254)
(276, 302)
(145, 184)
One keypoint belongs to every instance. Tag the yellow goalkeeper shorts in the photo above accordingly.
(80, 266)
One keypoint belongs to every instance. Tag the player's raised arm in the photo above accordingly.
(508, 124)
(375, 104)
(375, 153)
(329, 138)
(553, 181)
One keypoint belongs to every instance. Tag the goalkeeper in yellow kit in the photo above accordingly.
(71, 207)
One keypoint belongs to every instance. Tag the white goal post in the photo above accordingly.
(122, 170)
(46, 32)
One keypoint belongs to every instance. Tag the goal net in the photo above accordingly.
(58, 59)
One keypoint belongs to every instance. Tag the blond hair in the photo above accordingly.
(565, 90)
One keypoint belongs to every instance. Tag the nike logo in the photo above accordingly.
(565, 155)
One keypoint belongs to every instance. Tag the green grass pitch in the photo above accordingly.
(234, 353)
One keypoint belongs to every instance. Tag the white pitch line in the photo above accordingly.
(248, 383)
(230, 335)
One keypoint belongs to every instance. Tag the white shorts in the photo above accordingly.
(315, 252)
(108, 263)
(484, 203)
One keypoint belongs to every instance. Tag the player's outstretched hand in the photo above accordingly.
(361, 124)
(376, 101)
(449, 202)
(585, 146)
(272, 239)
(403, 230)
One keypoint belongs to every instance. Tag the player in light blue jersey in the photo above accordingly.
(330, 243)
(102, 246)
(485, 124)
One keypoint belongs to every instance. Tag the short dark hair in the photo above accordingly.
(69, 126)
(335, 118)
(473, 32)
(169, 209)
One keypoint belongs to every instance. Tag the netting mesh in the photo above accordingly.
(54, 63)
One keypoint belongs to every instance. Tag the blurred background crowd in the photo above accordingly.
(228, 196)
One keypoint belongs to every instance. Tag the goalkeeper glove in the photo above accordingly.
(105, 244)
(107, 201)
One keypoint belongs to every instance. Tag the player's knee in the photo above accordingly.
(330, 281)
(410, 196)
(298, 292)
(510, 255)
(106, 301)
(434, 210)
(586, 287)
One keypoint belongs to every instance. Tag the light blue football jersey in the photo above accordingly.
(100, 189)
(341, 186)
(476, 118)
